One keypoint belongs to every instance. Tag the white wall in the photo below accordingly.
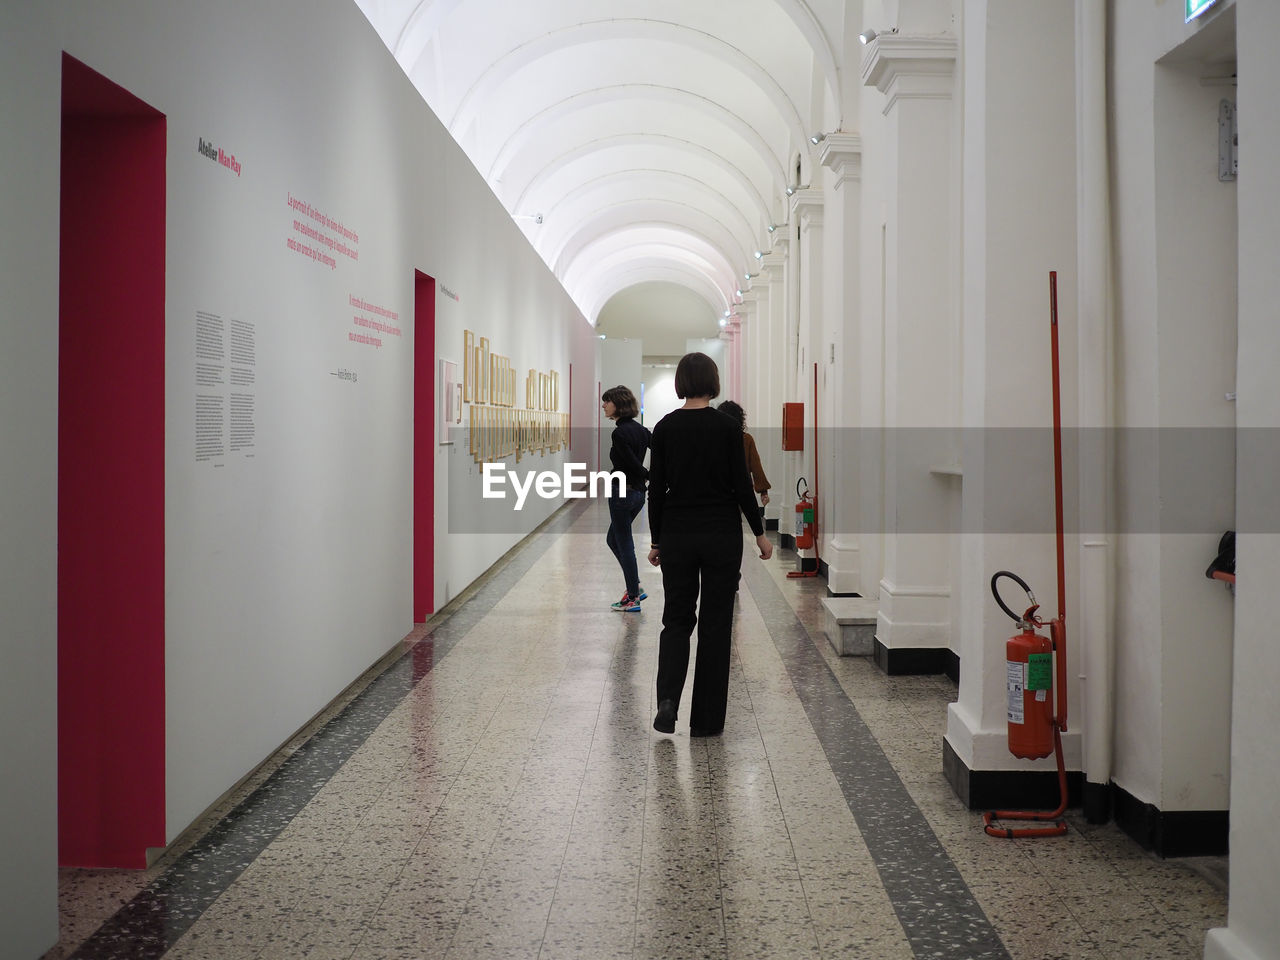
(29, 78)
(288, 572)
(659, 393)
(1175, 320)
(1254, 923)
(620, 363)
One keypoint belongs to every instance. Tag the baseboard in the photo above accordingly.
(832, 593)
(771, 524)
(1008, 789)
(787, 541)
(902, 661)
(1097, 802)
(1187, 833)
(1181, 833)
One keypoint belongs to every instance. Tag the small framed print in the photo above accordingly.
(468, 365)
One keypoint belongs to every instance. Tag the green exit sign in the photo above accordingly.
(1197, 7)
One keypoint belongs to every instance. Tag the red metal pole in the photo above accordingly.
(1058, 629)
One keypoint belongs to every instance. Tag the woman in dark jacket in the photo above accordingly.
(630, 442)
(699, 490)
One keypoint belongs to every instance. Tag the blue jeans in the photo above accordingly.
(622, 513)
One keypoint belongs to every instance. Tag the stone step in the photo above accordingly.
(850, 625)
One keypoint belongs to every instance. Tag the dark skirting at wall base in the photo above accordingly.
(1008, 789)
(786, 541)
(1097, 802)
(1181, 833)
(771, 524)
(901, 661)
(1188, 833)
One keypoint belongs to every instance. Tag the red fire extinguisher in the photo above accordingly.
(1035, 726)
(806, 516)
(1028, 679)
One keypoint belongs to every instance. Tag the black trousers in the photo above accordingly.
(701, 554)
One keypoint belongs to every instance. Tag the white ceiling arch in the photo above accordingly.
(750, 137)
(729, 165)
(628, 272)
(652, 244)
(647, 194)
(654, 137)
(504, 68)
(694, 229)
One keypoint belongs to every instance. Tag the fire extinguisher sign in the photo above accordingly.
(1015, 684)
(1039, 672)
(1034, 676)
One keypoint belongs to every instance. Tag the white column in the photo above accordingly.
(770, 291)
(807, 216)
(841, 159)
(1019, 103)
(915, 73)
(1254, 922)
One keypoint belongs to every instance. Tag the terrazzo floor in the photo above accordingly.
(495, 790)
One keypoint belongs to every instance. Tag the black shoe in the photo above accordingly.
(665, 721)
(699, 732)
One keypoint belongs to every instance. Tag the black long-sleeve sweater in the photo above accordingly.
(630, 442)
(697, 462)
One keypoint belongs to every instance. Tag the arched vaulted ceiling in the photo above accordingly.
(634, 141)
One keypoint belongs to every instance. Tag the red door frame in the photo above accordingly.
(424, 446)
(111, 404)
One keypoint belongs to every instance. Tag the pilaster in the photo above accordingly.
(841, 157)
(916, 76)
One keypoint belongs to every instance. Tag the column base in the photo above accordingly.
(914, 616)
(842, 562)
(904, 661)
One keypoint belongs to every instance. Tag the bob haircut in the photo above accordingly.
(697, 376)
(623, 400)
(736, 412)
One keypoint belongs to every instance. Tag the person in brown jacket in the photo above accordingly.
(758, 480)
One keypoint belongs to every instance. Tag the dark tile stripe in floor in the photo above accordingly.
(152, 922)
(938, 912)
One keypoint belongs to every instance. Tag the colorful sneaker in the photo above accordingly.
(626, 605)
(643, 596)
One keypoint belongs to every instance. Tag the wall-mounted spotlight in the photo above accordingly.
(791, 191)
(738, 292)
(535, 217)
(750, 276)
(817, 138)
(759, 254)
(866, 36)
(724, 322)
(772, 227)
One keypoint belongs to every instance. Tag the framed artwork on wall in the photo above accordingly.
(468, 365)
(450, 400)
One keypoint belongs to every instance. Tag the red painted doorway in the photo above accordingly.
(111, 684)
(424, 446)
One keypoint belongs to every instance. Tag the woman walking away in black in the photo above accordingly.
(698, 486)
(630, 442)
